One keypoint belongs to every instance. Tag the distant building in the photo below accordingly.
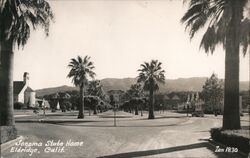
(175, 97)
(166, 97)
(117, 94)
(23, 93)
(171, 102)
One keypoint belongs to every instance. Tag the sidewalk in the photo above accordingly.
(70, 117)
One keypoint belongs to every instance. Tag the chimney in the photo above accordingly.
(26, 78)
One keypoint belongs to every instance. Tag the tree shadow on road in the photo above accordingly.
(163, 117)
(169, 150)
(245, 127)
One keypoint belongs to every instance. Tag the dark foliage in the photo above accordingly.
(18, 105)
(232, 140)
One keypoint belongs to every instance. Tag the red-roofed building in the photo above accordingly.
(23, 93)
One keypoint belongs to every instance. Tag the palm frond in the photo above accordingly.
(18, 16)
(150, 74)
(81, 70)
(216, 15)
(245, 35)
(209, 40)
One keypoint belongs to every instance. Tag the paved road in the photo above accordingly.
(170, 135)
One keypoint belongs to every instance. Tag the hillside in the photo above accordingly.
(46, 91)
(117, 84)
(181, 84)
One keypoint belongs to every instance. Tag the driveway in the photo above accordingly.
(169, 135)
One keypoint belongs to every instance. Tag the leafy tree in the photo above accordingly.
(134, 93)
(50, 99)
(226, 25)
(68, 105)
(126, 106)
(95, 88)
(91, 103)
(74, 99)
(212, 93)
(245, 99)
(17, 17)
(136, 90)
(80, 72)
(64, 101)
(150, 75)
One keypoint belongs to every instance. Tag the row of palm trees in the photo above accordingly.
(151, 73)
(225, 21)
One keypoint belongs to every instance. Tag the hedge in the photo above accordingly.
(231, 139)
(19, 105)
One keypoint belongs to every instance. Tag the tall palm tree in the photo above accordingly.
(151, 74)
(17, 18)
(81, 70)
(226, 24)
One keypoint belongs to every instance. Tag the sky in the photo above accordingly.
(119, 36)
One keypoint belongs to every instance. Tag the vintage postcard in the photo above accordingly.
(124, 78)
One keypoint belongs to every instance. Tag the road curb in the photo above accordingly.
(8, 144)
(55, 121)
(214, 144)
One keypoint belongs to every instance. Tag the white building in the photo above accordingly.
(23, 93)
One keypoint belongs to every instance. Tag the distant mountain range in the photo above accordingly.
(181, 84)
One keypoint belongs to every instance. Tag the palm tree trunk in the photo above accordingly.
(231, 116)
(136, 109)
(81, 108)
(95, 109)
(7, 121)
(151, 104)
(141, 109)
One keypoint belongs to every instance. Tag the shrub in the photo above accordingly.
(53, 110)
(231, 138)
(68, 105)
(18, 105)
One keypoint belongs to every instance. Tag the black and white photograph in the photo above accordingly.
(125, 78)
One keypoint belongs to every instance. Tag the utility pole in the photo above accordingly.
(43, 107)
(114, 115)
(112, 102)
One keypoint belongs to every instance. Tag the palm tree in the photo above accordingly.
(17, 18)
(81, 70)
(151, 74)
(226, 25)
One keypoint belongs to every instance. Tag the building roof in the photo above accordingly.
(175, 97)
(115, 92)
(166, 97)
(18, 86)
(28, 89)
(37, 99)
(65, 96)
